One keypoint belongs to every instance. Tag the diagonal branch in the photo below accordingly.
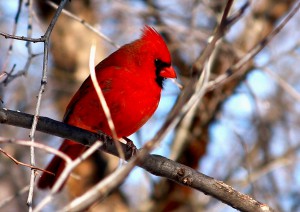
(23, 164)
(154, 164)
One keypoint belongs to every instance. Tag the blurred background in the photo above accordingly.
(244, 132)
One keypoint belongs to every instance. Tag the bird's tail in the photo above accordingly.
(57, 164)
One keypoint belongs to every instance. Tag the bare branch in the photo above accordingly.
(39, 97)
(236, 69)
(66, 172)
(23, 164)
(60, 129)
(154, 164)
(10, 48)
(102, 101)
(23, 38)
(37, 145)
(84, 23)
(32, 153)
(283, 84)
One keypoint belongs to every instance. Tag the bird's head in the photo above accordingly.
(158, 54)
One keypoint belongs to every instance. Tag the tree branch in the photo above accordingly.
(154, 164)
(23, 164)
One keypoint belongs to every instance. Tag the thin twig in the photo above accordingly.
(102, 100)
(84, 23)
(37, 145)
(23, 164)
(101, 189)
(66, 172)
(236, 69)
(32, 153)
(175, 82)
(10, 48)
(23, 38)
(41, 91)
(283, 84)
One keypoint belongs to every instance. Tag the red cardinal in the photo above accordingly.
(131, 80)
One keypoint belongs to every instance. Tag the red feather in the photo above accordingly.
(131, 81)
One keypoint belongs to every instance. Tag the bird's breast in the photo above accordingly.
(131, 99)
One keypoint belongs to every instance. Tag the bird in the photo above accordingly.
(131, 79)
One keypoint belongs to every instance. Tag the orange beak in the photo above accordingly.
(168, 72)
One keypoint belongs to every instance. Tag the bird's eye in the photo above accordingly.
(160, 64)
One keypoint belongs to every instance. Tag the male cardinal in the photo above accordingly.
(131, 80)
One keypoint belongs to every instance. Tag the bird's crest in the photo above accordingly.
(150, 34)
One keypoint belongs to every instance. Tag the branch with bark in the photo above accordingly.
(155, 164)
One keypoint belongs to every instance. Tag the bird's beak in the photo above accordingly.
(168, 72)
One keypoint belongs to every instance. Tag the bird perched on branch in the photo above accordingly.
(131, 80)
